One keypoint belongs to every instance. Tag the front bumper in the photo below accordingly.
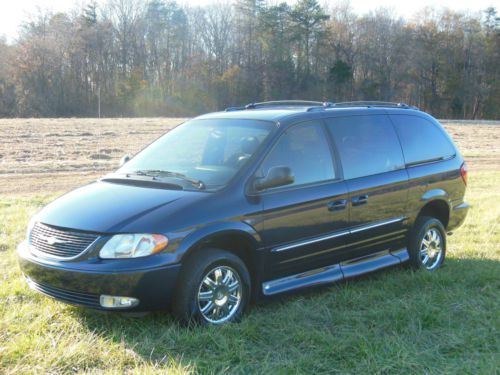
(67, 282)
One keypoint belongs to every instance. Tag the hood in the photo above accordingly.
(107, 207)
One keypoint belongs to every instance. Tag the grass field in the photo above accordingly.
(395, 321)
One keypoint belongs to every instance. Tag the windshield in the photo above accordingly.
(208, 152)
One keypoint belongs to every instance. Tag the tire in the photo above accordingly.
(222, 299)
(427, 244)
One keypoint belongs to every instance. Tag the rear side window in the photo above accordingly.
(421, 139)
(304, 148)
(367, 145)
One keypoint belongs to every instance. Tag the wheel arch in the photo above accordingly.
(238, 238)
(436, 204)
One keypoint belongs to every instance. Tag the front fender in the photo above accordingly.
(192, 240)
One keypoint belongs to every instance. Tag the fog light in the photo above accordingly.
(114, 302)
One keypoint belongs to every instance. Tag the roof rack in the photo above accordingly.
(283, 103)
(363, 103)
(318, 106)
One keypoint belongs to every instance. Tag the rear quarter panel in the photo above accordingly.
(438, 180)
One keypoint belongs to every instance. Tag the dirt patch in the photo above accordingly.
(100, 157)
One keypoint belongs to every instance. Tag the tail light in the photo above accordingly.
(463, 173)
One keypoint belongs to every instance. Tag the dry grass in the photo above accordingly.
(390, 322)
(47, 155)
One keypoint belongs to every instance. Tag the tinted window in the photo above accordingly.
(367, 145)
(421, 139)
(304, 148)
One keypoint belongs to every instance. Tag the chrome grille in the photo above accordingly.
(61, 243)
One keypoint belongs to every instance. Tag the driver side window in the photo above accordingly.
(305, 150)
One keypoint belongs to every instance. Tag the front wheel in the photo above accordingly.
(427, 244)
(214, 288)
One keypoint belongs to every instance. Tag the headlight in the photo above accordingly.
(133, 246)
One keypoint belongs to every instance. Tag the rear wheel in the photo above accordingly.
(214, 288)
(427, 245)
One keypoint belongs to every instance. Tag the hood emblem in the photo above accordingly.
(51, 240)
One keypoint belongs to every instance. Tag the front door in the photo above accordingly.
(306, 220)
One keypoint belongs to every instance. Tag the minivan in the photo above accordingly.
(255, 201)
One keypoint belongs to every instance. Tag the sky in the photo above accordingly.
(13, 12)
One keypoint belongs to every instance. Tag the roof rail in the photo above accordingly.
(363, 103)
(283, 103)
(231, 109)
(318, 106)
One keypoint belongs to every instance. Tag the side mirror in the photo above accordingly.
(124, 160)
(277, 176)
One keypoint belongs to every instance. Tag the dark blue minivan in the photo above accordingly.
(251, 202)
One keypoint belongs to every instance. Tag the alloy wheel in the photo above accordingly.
(219, 295)
(431, 249)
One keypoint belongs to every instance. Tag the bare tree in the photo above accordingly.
(130, 57)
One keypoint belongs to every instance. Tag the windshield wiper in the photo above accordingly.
(161, 173)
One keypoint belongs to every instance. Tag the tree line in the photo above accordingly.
(157, 58)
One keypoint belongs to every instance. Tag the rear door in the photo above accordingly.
(305, 221)
(377, 181)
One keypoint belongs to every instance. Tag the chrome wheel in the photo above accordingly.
(220, 294)
(431, 249)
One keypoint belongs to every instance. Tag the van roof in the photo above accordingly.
(277, 111)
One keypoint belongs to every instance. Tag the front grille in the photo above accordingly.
(68, 296)
(60, 243)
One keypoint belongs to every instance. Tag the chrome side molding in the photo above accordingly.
(377, 224)
(338, 234)
(311, 241)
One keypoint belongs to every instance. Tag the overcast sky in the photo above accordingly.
(12, 12)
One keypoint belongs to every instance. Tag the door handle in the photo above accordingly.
(358, 201)
(337, 205)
